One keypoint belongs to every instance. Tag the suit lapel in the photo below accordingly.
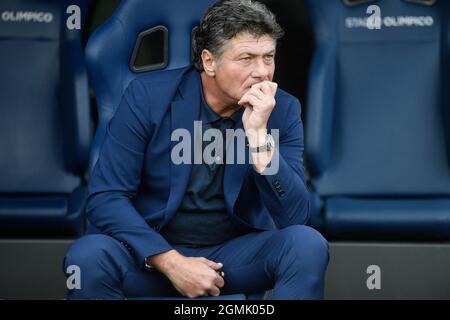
(185, 109)
(234, 176)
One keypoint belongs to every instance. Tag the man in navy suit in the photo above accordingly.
(171, 211)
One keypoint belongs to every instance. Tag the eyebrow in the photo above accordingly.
(253, 55)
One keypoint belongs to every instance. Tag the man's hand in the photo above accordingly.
(259, 102)
(192, 276)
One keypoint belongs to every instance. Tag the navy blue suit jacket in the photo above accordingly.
(135, 189)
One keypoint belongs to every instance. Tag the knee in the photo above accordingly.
(306, 244)
(94, 266)
(89, 251)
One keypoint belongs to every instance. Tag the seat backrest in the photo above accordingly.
(44, 108)
(114, 50)
(378, 122)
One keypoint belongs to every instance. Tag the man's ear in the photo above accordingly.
(209, 63)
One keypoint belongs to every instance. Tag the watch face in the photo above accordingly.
(270, 143)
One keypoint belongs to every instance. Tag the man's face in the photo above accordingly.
(245, 61)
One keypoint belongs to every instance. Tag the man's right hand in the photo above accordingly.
(192, 276)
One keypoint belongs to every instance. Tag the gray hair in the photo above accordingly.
(227, 18)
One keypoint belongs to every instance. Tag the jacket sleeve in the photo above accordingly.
(116, 177)
(282, 184)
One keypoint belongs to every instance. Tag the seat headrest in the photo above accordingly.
(422, 2)
(29, 19)
(397, 21)
(352, 3)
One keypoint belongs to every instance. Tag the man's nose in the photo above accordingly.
(261, 70)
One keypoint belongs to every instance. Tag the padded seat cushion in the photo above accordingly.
(49, 215)
(393, 218)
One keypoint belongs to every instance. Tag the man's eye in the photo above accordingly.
(246, 59)
(269, 57)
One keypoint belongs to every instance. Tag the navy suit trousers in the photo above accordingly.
(291, 261)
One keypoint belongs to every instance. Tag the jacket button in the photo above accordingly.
(276, 183)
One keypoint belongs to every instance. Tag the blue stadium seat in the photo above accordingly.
(44, 120)
(112, 50)
(114, 55)
(377, 127)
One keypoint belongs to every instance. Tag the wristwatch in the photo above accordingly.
(268, 146)
(147, 265)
